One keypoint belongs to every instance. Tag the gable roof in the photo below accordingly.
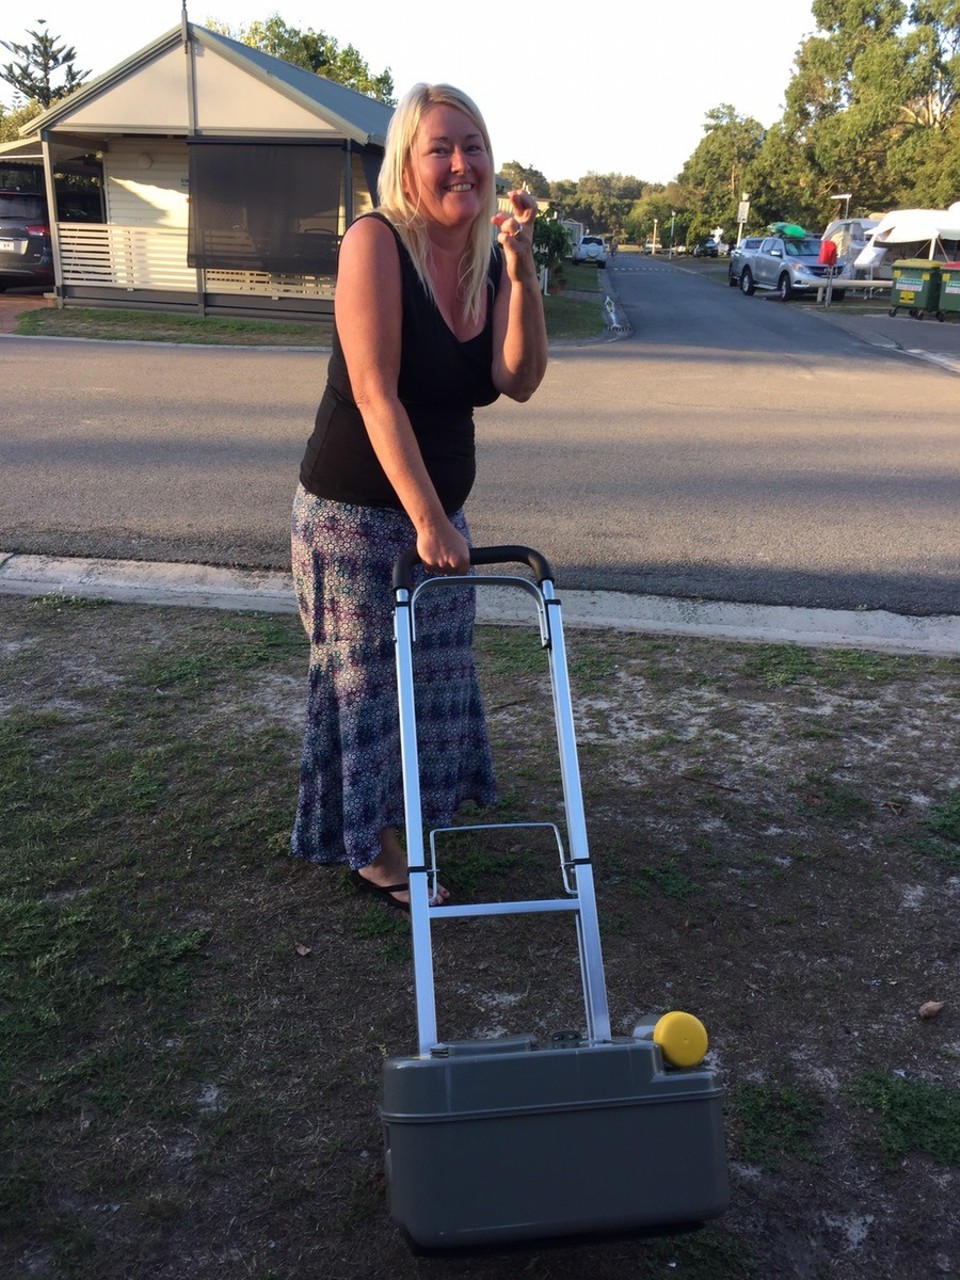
(361, 119)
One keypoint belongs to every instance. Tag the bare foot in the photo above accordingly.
(390, 868)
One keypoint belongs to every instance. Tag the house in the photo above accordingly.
(575, 232)
(228, 179)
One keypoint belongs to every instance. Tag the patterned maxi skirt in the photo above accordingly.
(350, 777)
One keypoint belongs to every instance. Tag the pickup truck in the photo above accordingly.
(789, 265)
(740, 256)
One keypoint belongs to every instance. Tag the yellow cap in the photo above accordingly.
(682, 1039)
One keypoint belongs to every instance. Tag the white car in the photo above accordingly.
(591, 249)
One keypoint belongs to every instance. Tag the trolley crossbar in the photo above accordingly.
(525, 907)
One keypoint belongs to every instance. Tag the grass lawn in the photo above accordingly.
(193, 1026)
(573, 319)
(152, 326)
(582, 277)
(568, 320)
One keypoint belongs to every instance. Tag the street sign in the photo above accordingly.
(743, 211)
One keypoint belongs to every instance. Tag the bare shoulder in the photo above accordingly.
(368, 240)
(367, 303)
(368, 270)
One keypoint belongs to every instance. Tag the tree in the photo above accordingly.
(931, 173)
(563, 192)
(31, 76)
(11, 122)
(934, 47)
(716, 172)
(314, 51)
(602, 201)
(550, 242)
(522, 178)
(662, 206)
(868, 108)
(783, 182)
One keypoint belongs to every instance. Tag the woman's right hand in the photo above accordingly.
(442, 550)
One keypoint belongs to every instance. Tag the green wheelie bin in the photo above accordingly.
(949, 290)
(916, 286)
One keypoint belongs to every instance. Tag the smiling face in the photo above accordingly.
(449, 170)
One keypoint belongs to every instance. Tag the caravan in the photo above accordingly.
(851, 236)
(910, 233)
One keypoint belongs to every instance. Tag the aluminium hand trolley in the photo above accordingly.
(489, 1142)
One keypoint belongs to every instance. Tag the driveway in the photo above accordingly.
(14, 301)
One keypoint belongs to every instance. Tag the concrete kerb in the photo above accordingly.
(614, 317)
(210, 587)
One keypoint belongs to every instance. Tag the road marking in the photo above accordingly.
(636, 270)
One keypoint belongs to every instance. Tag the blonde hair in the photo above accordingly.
(401, 207)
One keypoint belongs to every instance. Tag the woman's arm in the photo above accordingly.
(519, 331)
(369, 317)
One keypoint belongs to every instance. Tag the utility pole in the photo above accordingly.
(743, 213)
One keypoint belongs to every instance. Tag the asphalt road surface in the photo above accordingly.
(731, 448)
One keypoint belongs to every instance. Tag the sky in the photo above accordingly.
(620, 88)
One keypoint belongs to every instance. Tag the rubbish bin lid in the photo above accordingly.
(927, 263)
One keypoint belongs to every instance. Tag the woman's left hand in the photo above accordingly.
(516, 227)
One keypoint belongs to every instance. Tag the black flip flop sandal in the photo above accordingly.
(382, 891)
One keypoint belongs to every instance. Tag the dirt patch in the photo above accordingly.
(14, 304)
(777, 840)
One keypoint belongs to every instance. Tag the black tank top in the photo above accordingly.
(441, 380)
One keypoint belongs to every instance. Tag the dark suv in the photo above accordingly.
(25, 254)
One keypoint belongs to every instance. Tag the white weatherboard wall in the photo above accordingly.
(146, 182)
(144, 244)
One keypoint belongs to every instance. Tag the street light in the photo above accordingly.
(845, 196)
(673, 219)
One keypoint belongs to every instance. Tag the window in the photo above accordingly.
(265, 206)
(16, 204)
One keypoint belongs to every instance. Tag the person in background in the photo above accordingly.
(438, 310)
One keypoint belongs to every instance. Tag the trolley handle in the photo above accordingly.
(403, 569)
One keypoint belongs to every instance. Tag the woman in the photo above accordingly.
(430, 320)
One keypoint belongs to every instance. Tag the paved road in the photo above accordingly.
(732, 448)
(736, 448)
